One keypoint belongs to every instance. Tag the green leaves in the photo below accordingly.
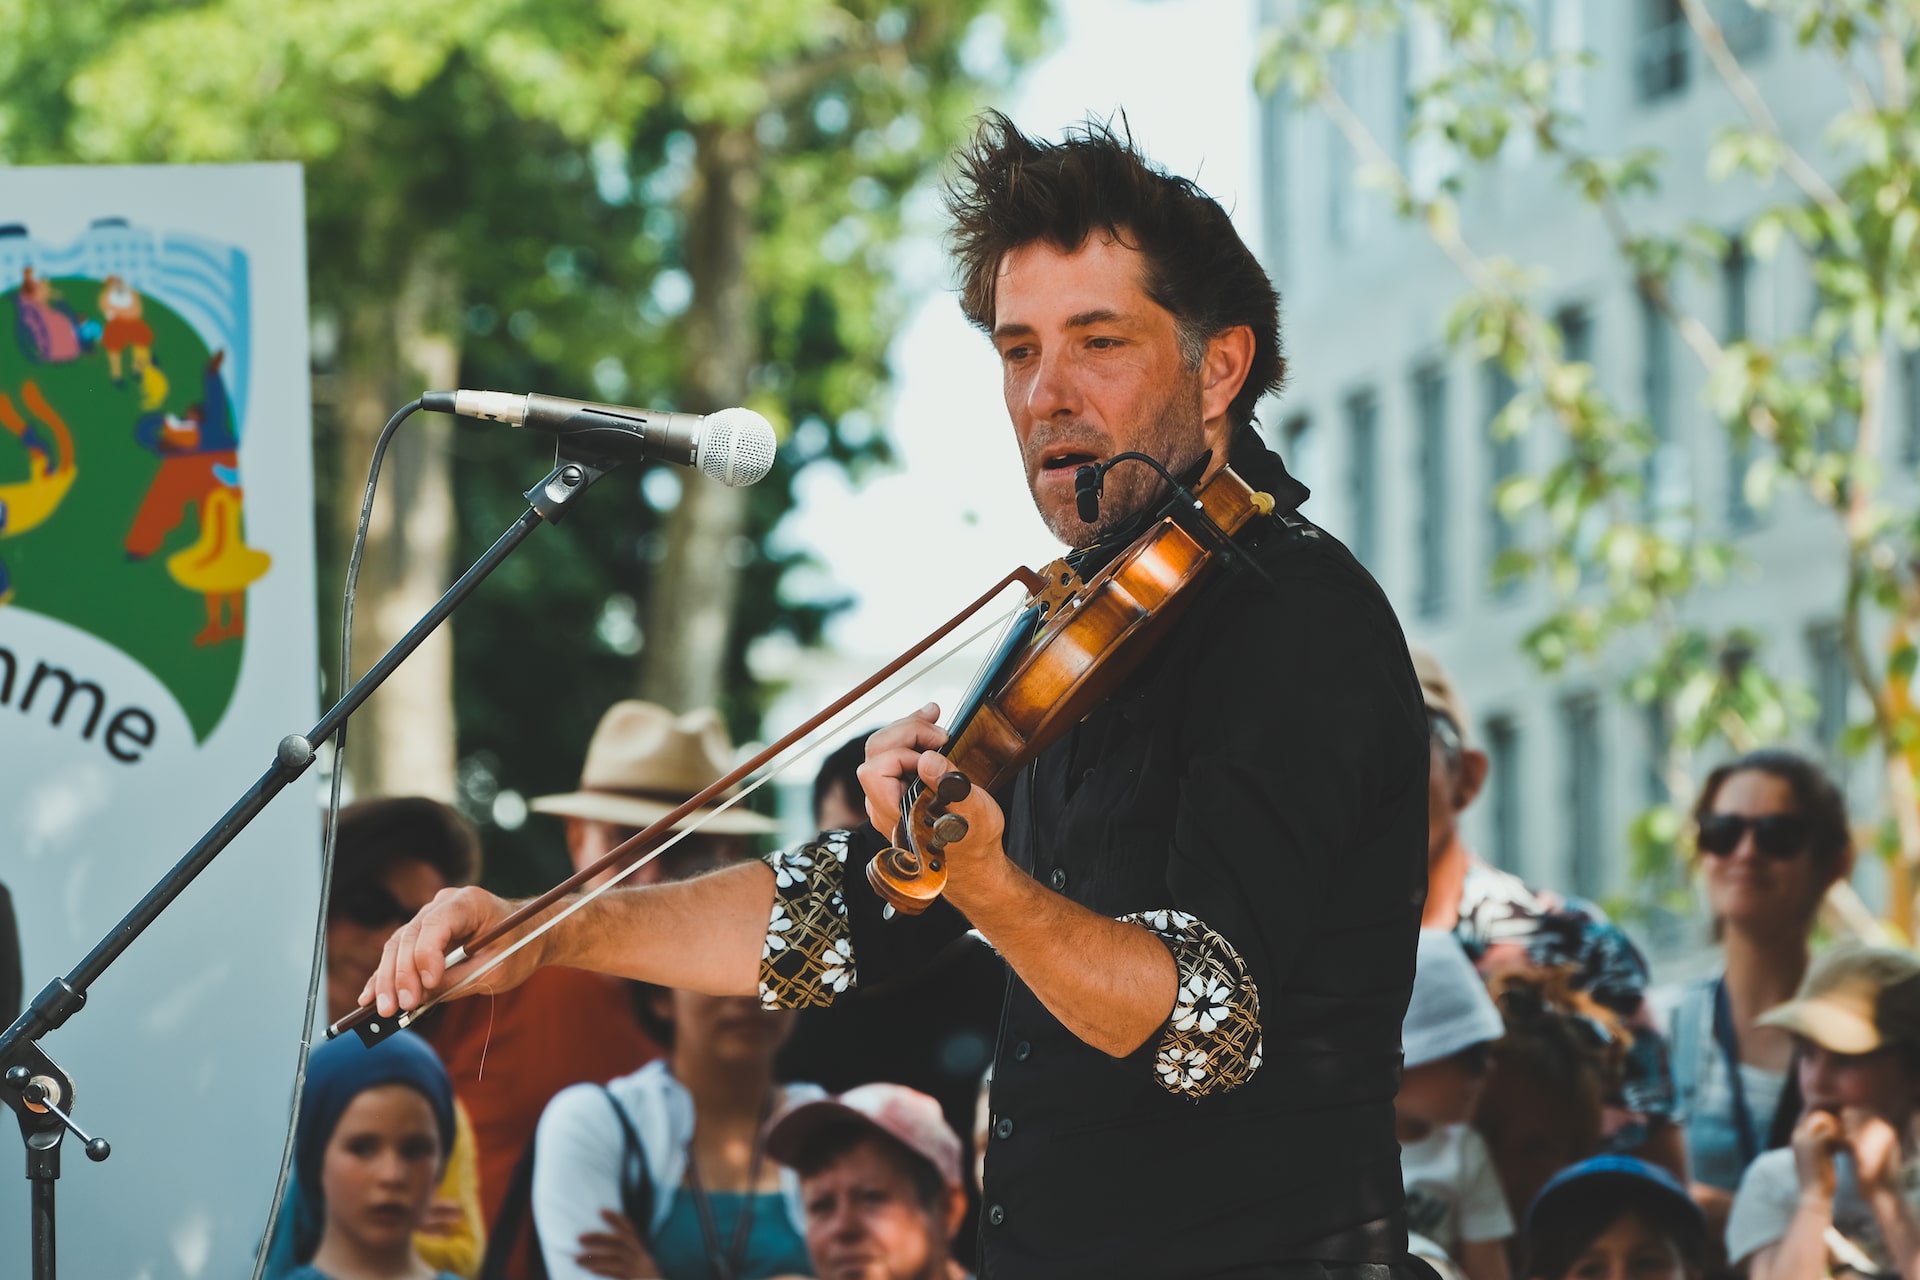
(1807, 407)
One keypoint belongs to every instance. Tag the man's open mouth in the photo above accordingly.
(1067, 461)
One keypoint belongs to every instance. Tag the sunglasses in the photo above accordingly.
(1445, 732)
(1775, 835)
(368, 904)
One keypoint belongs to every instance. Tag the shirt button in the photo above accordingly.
(1004, 1129)
(1059, 878)
(1022, 1051)
(996, 1215)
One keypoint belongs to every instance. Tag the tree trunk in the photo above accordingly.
(690, 606)
(402, 742)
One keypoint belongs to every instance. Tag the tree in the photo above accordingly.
(1810, 406)
(682, 206)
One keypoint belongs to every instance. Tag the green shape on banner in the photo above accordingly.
(121, 511)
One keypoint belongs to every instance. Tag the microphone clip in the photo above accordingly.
(1088, 483)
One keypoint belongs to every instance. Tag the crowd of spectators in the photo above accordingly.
(1559, 1116)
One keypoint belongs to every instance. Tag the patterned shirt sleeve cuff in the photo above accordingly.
(808, 956)
(1212, 1038)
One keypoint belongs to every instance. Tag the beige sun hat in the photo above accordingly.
(644, 761)
(1438, 689)
(1855, 1000)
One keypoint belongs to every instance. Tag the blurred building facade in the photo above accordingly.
(1390, 427)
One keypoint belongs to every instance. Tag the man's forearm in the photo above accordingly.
(1109, 982)
(704, 934)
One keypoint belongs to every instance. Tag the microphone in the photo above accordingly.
(734, 446)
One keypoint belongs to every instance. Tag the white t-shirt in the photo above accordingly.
(1770, 1192)
(1453, 1193)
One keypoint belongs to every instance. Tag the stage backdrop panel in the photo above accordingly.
(157, 638)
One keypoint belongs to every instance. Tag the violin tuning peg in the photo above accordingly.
(949, 828)
(953, 787)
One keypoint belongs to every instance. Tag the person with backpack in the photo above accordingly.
(665, 1172)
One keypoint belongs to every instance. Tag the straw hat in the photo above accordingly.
(644, 761)
(1855, 999)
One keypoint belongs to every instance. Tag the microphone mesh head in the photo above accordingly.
(736, 447)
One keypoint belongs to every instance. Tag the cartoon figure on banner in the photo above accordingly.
(27, 503)
(49, 331)
(124, 328)
(200, 467)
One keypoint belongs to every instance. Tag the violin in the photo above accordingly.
(1071, 645)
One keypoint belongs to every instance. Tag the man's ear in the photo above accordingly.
(956, 1211)
(1223, 370)
(1469, 777)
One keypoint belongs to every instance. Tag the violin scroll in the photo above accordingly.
(912, 873)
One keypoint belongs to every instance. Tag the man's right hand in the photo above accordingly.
(414, 963)
(1815, 1139)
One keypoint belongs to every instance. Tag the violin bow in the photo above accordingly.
(632, 853)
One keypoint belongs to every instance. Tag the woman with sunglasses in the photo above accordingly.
(1771, 832)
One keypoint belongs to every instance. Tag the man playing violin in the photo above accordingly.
(1209, 889)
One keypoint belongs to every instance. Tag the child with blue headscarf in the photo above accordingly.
(376, 1126)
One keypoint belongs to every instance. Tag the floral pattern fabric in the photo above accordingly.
(807, 960)
(1212, 1037)
(1505, 923)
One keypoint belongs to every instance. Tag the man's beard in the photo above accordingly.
(1172, 438)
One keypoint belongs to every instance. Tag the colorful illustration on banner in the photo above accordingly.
(123, 381)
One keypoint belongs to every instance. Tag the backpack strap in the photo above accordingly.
(516, 1206)
(636, 1184)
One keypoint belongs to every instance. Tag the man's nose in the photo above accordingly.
(1055, 391)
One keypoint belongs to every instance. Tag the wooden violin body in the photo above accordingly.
(1086, 637)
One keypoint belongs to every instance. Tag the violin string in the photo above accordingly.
(800, 753)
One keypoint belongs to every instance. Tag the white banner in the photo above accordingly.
(157, 639)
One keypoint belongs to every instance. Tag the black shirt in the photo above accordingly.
(1256, 794)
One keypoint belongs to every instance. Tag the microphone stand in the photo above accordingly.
(36, 1088)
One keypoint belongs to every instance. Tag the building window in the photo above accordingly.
(1659, 729)
(1503, 464)
(1363, 474)
(1660, 47)
(1586, 851)
(1576, 334)
(1832, 685)
(1910, 428)
(1343, 195)
(1747, 29)
(1735, 277)
(1430, 418)
(1300, 448)
(1276, 117)
(1665, 472)
(1505, 782)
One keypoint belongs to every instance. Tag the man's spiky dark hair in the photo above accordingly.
(1010, 190)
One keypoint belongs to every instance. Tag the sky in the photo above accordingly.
(914, 544)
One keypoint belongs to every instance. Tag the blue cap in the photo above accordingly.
(1632, 1180)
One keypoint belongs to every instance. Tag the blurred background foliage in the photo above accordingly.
(682, 206)
(1808, 407)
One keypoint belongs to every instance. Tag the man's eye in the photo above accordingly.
(1015, 353)
(1103, 344)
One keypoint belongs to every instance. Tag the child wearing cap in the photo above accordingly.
(1843, 1192)
(1454, 1197)
(1614, 1216)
